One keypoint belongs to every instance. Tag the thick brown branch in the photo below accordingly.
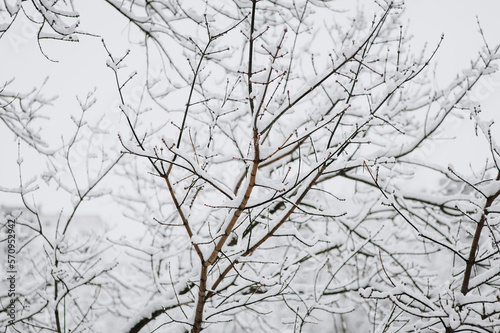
(198, 319)
(182, 216)
(241, 207)
(475, 241)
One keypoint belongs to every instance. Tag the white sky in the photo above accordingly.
(82, 67)
(458, 21)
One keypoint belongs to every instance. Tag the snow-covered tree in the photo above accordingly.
(270, 154)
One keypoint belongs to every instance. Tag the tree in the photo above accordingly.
(271, 183)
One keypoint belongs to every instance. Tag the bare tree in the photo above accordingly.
(268, 162)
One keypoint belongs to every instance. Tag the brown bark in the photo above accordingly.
(475, 241)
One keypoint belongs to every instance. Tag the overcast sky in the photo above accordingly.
(457, 20)
(81, 67)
